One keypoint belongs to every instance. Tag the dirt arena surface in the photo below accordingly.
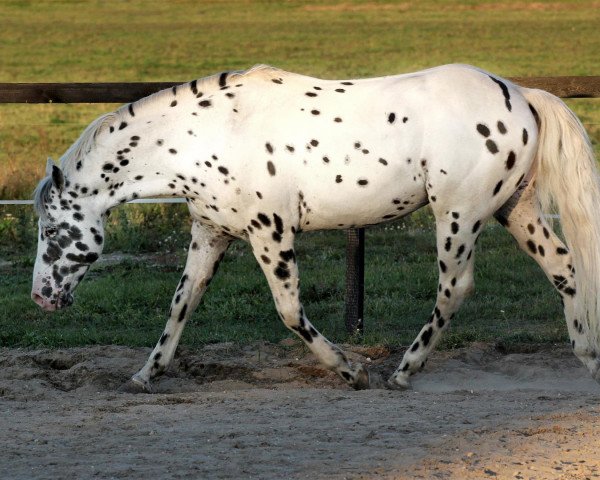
(270, 412)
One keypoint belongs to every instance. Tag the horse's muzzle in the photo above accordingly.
(51, 304)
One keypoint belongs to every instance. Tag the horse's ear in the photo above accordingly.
(58, 179)
(49, 165)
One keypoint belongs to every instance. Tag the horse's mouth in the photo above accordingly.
(64, 300)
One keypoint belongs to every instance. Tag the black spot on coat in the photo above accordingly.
(426, 336)
(282, 272)
(491, 146)
(85, 259)
(497, 187)
(182, 313)
(505, 92)
(278, 223)
(510, 161)
(448, 244)
(288, 255)
(483, 129)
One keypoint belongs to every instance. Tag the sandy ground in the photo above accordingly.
(270, 412)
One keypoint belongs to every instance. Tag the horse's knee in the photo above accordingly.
(452, 293)
(466, 287)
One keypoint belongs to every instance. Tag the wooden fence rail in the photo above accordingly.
(566, 87)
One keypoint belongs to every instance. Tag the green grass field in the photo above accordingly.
(127, 303)
(86, 41)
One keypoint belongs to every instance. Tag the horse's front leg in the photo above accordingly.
(206, 251)
(455, 244)
(273, 246)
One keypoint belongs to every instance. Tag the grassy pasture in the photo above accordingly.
(87, 41)
(55, 41)
(127, 303)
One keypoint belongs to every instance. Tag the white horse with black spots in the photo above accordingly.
(263, 154)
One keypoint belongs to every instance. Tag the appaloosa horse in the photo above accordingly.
(263, 154)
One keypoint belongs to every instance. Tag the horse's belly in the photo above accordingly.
(358, 204)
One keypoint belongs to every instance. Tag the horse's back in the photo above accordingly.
(365, 151)
(338, 153)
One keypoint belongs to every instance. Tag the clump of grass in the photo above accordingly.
(18, 230)
(135, 228)
(148, 228)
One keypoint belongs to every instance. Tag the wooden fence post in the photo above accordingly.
(355, 280)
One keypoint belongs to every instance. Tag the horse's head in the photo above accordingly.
(70, 239)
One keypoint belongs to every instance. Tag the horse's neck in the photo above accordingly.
(139, 164)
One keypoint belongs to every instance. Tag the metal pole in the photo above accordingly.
(355, 280)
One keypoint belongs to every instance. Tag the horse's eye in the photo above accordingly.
(50, 232)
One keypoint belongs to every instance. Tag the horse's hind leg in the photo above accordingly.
(522, 217)
(456, 235)
(206, 251)
(274, 250)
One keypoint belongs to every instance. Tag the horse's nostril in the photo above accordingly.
(43, 302)
(37, 299)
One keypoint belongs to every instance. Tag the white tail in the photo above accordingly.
(567, 179)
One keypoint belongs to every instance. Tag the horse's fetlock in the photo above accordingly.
(157, 370)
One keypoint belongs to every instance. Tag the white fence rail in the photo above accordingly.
(139, 200)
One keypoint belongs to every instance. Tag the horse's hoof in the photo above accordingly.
(136, 385)
(361, 381)
(397, 383)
